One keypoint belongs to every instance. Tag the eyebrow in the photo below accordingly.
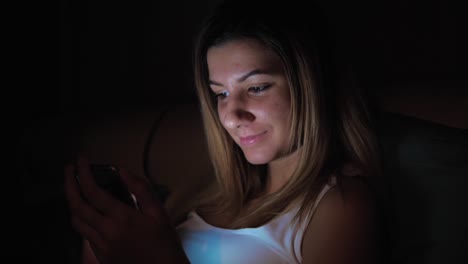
(243, 77)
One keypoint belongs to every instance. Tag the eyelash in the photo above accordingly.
(259, 89)
(221, 95)
(253, 89)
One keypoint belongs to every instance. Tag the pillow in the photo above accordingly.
(425, 168)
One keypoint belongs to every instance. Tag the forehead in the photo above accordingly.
(241, 55)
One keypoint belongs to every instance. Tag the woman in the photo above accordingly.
(293, 155)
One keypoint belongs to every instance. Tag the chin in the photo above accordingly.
(257, 158)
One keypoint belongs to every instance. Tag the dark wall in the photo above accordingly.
(126, 53)
(400, 40)
(138, 53)
(409, 54)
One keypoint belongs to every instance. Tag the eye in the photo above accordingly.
(258, 89)
(222, 95)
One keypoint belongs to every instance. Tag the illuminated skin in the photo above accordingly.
(253, 98)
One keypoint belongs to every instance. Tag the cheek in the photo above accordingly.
(275, 113)
(221, 117)
(281, 110)
(283, 120)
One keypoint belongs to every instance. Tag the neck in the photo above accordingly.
(280, 171)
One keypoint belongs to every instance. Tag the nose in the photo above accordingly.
(235, 113)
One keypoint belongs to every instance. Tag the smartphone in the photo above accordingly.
(107, 177)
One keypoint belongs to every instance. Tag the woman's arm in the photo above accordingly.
(343, 228)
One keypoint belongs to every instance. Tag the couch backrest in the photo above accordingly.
(426, 174)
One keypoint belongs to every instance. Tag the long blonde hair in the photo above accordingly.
(331, 126)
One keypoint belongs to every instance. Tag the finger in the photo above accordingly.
(78, 207)
(141, 188)
(89, 233)
(100, 199)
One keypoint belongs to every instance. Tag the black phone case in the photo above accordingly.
(108, 178)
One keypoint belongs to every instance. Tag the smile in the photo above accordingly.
(251, 140)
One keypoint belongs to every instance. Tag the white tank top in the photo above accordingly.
(275, 242)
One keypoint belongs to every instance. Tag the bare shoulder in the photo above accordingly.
(342, 229)
(351, 198)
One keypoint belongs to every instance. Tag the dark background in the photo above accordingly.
(118, 55)
(127, 54)
(138, 53)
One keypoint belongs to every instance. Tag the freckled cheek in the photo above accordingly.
(274, 113)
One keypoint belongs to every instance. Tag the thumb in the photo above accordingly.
(141, 188)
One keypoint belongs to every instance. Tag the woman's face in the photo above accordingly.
(253, 98)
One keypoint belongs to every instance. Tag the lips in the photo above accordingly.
(251, 140)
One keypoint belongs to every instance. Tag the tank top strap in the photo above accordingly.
(297, 243)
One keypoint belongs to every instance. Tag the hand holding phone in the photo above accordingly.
(99, 219)
(107, 177)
